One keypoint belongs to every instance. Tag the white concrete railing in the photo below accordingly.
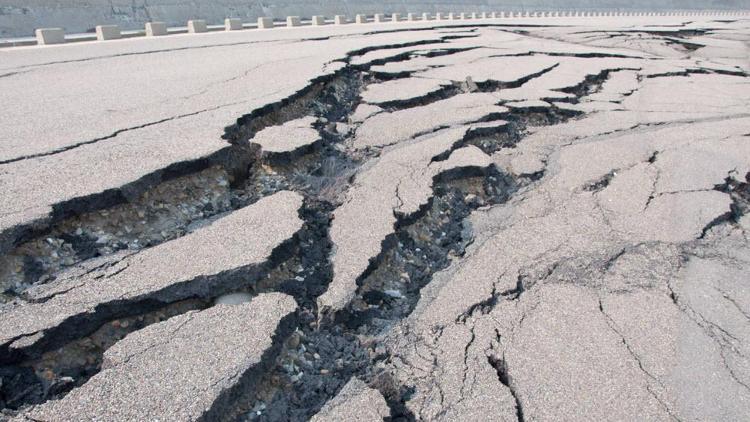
(47, 36)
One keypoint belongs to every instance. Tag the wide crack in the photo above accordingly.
(175, 208)
(318, 358)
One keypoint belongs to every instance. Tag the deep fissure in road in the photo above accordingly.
(320, 356)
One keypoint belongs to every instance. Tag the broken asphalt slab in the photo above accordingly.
(190, 367)
(224, 256)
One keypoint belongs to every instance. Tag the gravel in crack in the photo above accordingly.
(165, 212)
(204, 263)
(318, 360)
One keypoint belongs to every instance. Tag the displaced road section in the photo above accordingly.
(200, 358)
(436, 221)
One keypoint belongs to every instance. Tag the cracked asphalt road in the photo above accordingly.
(494, 221)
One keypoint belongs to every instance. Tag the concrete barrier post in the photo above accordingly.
(395, 17)
(196, 26)
(47, 36)
(340, 20)
(155, 29)
(451, 16)
(474, 15)
(360, 19)
(379, 17)
(318, 20)
(232, 24)
(462, 16)
(265, 23)
(439, 16)
(107, 32)
(292, 21)
(411, 17)
(426, 16)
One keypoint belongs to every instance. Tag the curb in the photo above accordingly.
(50, 36)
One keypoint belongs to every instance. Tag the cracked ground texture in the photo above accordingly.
(450, 221)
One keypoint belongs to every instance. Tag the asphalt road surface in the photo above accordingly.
(516, 220)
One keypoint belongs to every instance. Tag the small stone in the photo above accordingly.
(294, 340)
(316, 356)
(394, 293)
(324, 371)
